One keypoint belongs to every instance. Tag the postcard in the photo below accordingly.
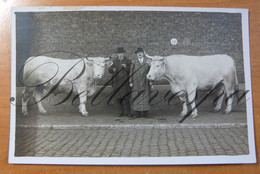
(131, 86)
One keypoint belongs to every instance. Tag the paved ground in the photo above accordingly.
(65, 133)
(105, 135)
(145, 142)
(72, 135)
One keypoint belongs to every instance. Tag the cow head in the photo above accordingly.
(99, 64)
(157, 68)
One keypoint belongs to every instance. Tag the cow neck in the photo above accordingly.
(165, 74)
(94, 83)
(90, 71)
(168, 77)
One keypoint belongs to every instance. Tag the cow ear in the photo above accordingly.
(109, 63)
(149, 62)
(89, 63)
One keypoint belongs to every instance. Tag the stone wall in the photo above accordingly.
(71, 34)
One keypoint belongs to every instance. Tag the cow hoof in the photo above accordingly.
(216, 110)
(44, 112)
(183, 114)
(85, 114)
(226, 112)
(25, 114)
(194, 115)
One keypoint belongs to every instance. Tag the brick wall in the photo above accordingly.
(100, 33)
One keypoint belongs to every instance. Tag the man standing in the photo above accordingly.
(120, 70)
(140, 95)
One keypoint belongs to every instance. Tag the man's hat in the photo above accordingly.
(120, 50)
(139, 50)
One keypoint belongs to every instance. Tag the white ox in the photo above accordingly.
(186, 74)
(60, 75)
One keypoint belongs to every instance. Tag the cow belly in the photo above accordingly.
(205, 85)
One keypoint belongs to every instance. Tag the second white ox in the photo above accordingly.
(186, 74)
(60, 75)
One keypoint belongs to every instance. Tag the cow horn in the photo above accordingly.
(150, 57)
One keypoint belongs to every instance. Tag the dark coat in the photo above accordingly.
(140, 95)
(121, 77)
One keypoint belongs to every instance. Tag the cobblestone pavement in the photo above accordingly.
(145, 142)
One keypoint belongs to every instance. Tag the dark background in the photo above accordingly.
(71, 34)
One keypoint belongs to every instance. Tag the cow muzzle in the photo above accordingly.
(98, 76)
(149, 77)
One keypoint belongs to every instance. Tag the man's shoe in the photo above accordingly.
(129, 115)
(133, 117)
(146, 114)
(120, 115)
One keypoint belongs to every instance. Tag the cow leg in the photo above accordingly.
(184, 105)
(24, 106)
(26, 95)
(38, 97)
(82, 105)
(191, 96)
(229, 93)
(221, 95)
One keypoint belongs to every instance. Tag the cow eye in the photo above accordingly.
(158, 66)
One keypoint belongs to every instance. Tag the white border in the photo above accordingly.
(13, 91)
(248, 84)
(251, 158)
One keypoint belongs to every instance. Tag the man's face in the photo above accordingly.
(140, 54)
(120, 55)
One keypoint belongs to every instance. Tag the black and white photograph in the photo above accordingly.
(131, 86)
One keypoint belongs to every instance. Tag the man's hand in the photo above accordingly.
(124, 65)
(131, 85)
(114, 69)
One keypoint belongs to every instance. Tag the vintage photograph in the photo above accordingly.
(131, 85)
